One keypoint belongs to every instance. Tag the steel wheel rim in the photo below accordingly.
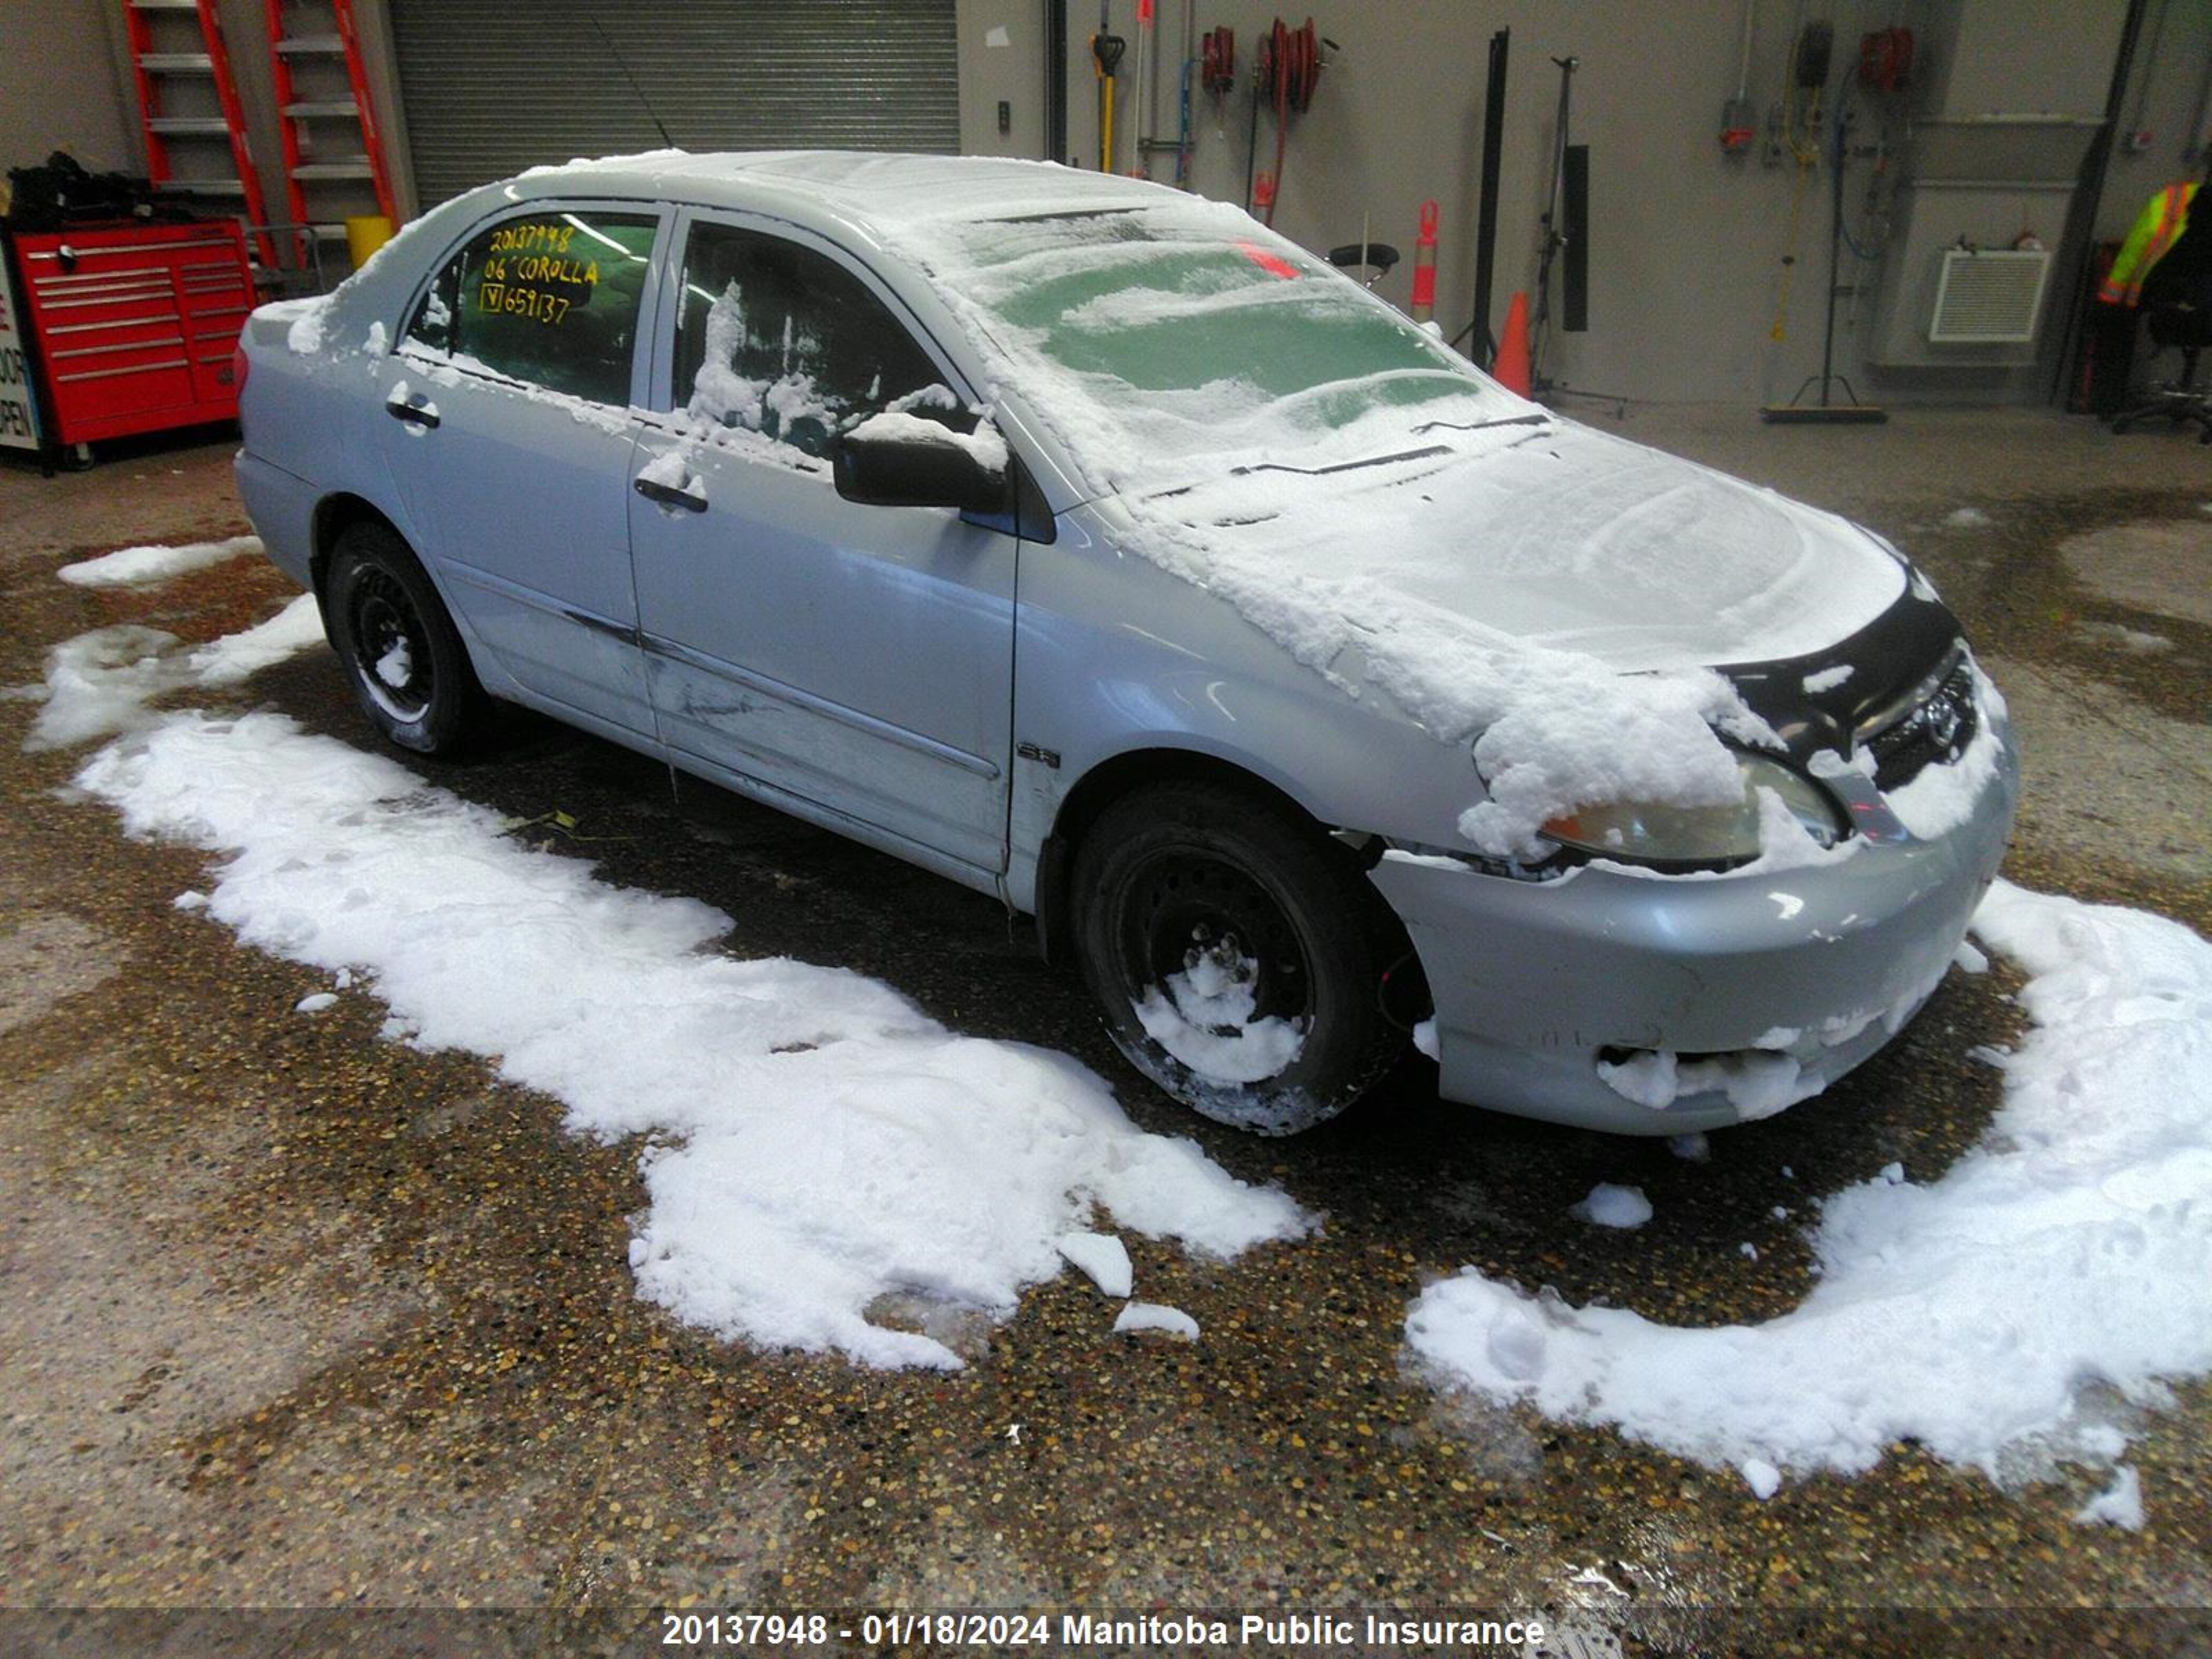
(1180, 905)
(379, 618)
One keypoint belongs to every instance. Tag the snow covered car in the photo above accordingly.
(1091, 545)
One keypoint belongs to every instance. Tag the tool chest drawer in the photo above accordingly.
(134, 327)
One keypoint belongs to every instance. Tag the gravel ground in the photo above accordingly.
(294, 1318)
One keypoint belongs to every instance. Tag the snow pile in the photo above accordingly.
(2066, 1260)
(135, 567)
(815, 1142)
(1608, 1205)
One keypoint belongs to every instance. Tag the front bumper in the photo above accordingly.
(1535, 982)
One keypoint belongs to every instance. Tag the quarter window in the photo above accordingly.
(550, 297)
(777, 338)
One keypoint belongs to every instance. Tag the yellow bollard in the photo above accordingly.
(364, 235)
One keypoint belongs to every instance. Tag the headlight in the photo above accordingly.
(1647, 832)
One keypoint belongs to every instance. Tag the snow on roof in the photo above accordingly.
(880, 189)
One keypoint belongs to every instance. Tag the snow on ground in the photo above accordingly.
(100, 683)
(2120, 1505)
(1102, 1258)
(1966, 518)
(134, 567)
(814, 1141)
(1608, 1205)
(1156, 1317)
(2012, 1312)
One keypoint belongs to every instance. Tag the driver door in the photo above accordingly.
(858, 659)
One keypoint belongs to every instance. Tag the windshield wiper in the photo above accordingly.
(1482, 426)
(1344, 466)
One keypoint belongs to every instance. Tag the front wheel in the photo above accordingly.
(402, 654)
(1237, 956)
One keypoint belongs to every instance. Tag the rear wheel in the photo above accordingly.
(402, 654)
(1237, 956)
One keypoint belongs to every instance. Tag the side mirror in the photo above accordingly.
(902, 460)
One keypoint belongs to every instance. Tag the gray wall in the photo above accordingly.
(59, 88)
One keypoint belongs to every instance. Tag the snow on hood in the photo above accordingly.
(1554, 535)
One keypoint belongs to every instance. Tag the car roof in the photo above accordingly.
(873, 190)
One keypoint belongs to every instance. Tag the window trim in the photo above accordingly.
(649, 300)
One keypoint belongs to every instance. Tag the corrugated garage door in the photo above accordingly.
(492, 87)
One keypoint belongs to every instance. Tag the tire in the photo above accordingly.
(1237, 955)
(402, 654)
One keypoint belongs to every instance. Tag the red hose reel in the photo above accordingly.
(1289, 72)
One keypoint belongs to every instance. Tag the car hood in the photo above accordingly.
(1540, 530)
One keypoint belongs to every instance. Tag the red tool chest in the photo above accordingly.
(133, 327)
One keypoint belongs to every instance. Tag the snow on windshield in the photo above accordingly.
(1184, 330)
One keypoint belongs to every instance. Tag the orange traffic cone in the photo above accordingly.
(1511, 369)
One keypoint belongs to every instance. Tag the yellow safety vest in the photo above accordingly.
(2156, 229)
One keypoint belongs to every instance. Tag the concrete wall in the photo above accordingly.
(59, 88)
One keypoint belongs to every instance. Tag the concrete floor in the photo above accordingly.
(292, 1317)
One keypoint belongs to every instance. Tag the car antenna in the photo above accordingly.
(644, 102)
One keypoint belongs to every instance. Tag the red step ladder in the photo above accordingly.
(165, 56)
(309, 116)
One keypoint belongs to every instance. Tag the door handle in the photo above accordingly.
(670, 495)
(423, 413)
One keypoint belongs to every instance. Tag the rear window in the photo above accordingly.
(548, 298)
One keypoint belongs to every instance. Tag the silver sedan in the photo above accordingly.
(1094, 547)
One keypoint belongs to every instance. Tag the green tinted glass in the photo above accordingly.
(1117, 296)
(553, 299)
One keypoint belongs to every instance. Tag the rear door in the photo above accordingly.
(859, 658)
(510, 394)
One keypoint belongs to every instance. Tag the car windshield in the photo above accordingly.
(1188, 330)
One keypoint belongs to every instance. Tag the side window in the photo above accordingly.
(782, 340)
(550, 297)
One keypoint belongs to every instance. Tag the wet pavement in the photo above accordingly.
(292, 1316)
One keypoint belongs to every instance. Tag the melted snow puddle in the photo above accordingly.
(815, 1142)
(2019, 1311)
